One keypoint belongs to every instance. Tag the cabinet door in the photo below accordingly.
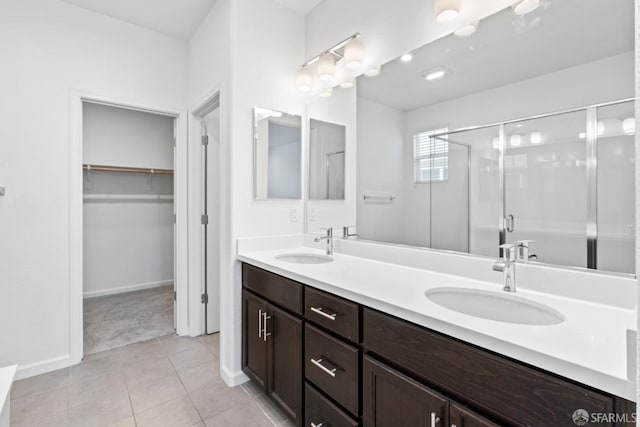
(391, 399)
(284, 334)
(459, 416)
(254, 344)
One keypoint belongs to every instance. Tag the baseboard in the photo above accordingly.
(233, 379)
(125, 289)
(42, 367)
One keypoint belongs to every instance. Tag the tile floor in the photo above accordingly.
(169, 381)
(118, 320)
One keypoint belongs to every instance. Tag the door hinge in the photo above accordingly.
(204, 219)
(174, 218)
(205, 298)
(205, 140)
(175, 296)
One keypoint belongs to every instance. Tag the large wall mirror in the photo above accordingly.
(326, 160)
(277, 155)
(524, 130)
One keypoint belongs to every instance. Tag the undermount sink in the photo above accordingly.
(502, 307)
(303, 258)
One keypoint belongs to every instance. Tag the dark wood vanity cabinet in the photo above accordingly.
(331, 362)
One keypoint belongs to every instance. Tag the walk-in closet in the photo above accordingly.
(128, 226)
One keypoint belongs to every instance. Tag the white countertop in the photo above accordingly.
(595, 345)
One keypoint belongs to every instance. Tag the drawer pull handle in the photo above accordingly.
(259, 323)
(317, 425)
(321, 312)
(319, 364)
(265, 317)
(434, 419)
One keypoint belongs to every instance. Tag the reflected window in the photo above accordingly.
(431, 156)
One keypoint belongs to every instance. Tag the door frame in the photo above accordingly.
(181, 197)
(197, 261)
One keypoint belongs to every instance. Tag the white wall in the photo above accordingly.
(121, 137)
(128, 242)
(49, 48)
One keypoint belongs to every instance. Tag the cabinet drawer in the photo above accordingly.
(281, 291)
(333, 313)
(509, 391)
(333, 367)
(320, 411)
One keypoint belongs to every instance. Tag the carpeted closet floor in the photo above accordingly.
(118, 320)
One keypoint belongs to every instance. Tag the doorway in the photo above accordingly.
(128, 226)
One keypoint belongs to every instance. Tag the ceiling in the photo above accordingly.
(175, 18)
(301, 6)
(506, 49)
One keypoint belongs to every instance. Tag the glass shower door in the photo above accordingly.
(545, 184)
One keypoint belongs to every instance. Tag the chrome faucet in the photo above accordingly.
(523, 251)
(329, 238)
(346, 233)
(507, 265)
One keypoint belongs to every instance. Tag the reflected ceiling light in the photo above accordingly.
(353, 53)
(348, 52)
(515, 140)
(446, 10)
(629, 125)
(435, 73)
(582, 135)
(304, 79)
(374, 72)
(600, 128)
(347, 84)
(326, 67)
(406, 57)
(535, 137)
(495, 143)
(525, 6)
(326, 92)
(467, 30)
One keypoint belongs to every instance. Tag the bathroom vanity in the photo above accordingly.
(335, 361)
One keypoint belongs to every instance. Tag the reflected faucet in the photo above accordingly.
(507, 265)
(329, 238)
(346, 232)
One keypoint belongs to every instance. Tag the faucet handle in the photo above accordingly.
(329, 230)
(524, 243)
(523, 250)
(346, 232)
(508, 251)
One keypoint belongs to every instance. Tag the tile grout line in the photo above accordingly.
(126, 384)
(186, 390)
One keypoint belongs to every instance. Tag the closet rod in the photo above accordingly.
(126, 170)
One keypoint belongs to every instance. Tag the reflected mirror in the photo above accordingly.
(277, 155)
(326, 160)
(523, 131)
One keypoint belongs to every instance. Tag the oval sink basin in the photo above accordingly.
(303, 258)
(491, 305)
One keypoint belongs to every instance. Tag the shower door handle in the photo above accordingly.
(509, 223)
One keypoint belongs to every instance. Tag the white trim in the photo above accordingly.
(127, 289)
(76, 98)
(44, 366)
(233, 379)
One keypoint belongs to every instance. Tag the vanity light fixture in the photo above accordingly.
(326, 67)
(525, 6)
(535, 137)
(374, 72)
(347, 84)
(446, 10)
(326, 93)
(515, 140)
(304, 79)
(467, 30)
(629, 126)
(435, 73)
(348, 52)
(406, 57)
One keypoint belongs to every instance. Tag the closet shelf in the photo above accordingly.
(102, 168)
(124, 197)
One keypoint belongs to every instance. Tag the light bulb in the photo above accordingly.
(406, 57)
(353, 53)
(435, 75)
(515, 140)
(467, 30)
(326, 92)
(304, 79)
(629, 125)
(374, 72)
(525, 6)
(347, 84)
(446, 10)
(326, 67)
(535, 137)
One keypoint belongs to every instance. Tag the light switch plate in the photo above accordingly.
(294, 214)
